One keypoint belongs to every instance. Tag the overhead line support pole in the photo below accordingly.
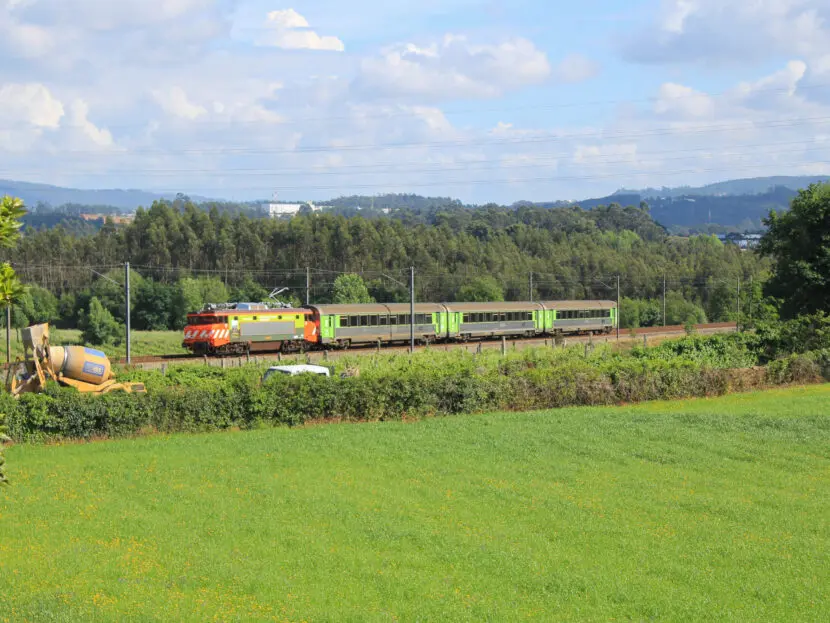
(127, 310)
(307, 286)
(664, 299)
(531, 286)
(738, 304)
(412, 309)
(619, 310)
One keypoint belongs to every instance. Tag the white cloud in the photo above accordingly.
(30, 103)
(731, 31)
(288, 18)
(777, 91)
(454, 68)
(683, 101)
(576, 68)
(79, 116)
(591, 154)
(289, 30)
(676, 14)
(175, 102)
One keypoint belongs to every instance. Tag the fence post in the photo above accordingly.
(503, 346)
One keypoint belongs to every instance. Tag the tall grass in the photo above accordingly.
(702, 510)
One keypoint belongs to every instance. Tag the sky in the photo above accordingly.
(483, 100)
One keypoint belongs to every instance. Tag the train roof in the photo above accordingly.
(420, 308)
(579, 304)
(376, 308)
(510, 306)
(252, 312)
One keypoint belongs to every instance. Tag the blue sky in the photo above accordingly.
(484, 100)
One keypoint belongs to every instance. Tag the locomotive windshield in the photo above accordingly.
(203, 320)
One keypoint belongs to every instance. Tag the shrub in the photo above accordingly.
(394, 387)
(98, 326)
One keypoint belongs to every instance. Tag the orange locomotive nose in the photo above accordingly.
(215, 335)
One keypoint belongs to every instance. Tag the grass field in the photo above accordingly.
(144, 343)
(697, 510)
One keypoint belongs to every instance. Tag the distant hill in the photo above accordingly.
(126, 200)
(734, 204)
(737, 204)
(749, 186)
(693, 211)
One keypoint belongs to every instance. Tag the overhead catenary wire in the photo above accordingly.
(534, 161)
(689, 129)
(484, 182)
(394, 114)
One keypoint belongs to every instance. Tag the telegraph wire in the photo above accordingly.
(448, 112)
(542, 138)
(498, 162)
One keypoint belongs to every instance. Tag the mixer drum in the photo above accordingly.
(81, 364)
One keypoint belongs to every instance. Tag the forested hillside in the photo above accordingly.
(184, 256)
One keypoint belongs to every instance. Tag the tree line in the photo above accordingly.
(185, 256)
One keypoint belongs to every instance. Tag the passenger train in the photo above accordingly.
(241, 328)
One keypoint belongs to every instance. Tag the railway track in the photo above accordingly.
(626, 336)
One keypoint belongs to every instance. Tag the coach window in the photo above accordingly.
(384, 321)
(393, 320)
(364, 321)
(354, 321)
(373, 321)
(344, 322)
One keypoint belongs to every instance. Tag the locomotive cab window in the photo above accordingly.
(203, 320)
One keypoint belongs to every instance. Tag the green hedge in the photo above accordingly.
(402, 387)
(63, 413)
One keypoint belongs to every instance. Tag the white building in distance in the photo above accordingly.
(277, 209)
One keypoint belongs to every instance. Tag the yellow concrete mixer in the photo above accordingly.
(86, 369)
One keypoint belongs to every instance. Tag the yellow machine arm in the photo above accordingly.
(85, 369)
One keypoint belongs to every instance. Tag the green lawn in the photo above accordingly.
(697, 510)
(143, 343)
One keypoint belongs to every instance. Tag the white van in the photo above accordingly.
(296, 370)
